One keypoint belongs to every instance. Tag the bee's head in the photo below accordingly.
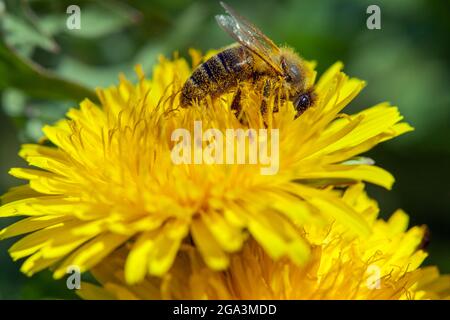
(298, 78)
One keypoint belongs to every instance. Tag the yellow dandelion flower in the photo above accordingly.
(385, 265)
(106, 177)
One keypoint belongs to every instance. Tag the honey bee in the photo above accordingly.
(254, 58)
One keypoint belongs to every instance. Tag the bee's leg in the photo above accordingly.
(236, 106)
(266, 93)
(236, 103)
(277, 102)
(267, 88)
(264, 85)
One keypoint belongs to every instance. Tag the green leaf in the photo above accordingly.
(13, 102)
(19, 34)
(17, 72)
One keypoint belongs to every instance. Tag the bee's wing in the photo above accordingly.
(249, 36)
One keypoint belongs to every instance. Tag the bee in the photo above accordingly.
(254, 58)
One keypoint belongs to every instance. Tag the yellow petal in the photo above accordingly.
(92, 292)
(165, 249)
(229, 237)
(136, 265)
(367, 173)
(31, 224)
(89, 254)
(208, 246)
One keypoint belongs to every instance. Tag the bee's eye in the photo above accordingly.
(302, 103)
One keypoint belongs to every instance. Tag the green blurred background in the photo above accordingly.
(406, 62)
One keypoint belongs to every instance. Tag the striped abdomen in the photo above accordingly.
(218, 74)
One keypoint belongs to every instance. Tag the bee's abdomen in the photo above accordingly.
(218, 74)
